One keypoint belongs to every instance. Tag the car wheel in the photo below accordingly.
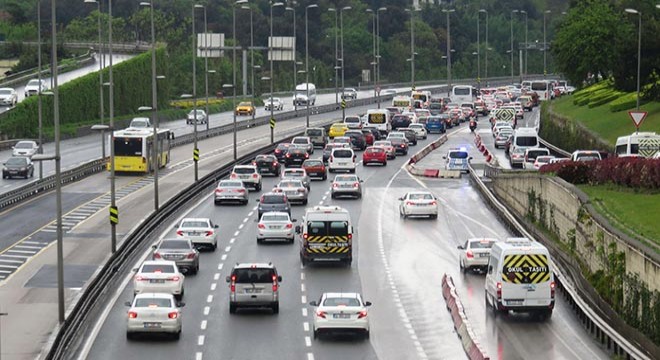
(276, 308)
(304, 202)
(433, 216)
(215, 246)
(259, 241)
(303, 261)
(258, 187)
(366, 335)
(333, 196)
(196, 269)
(232, 308)
(177, 335)
(385, 163)
(359, 196)
(129, 336)
(316, 334)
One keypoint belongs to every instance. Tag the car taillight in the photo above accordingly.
(174, 278)
(362, 314)
(179, 232)
(209, 233)
(410, 203)
(469, 254)
(499, 291)
(288, 155)
(306, 156)
(157, 256)
(552, 289)
(139, 278)
(240, 191)
(255, 176)
(277, 190)
(357, 184)
(289, 226)
(350, 236)
(403, 145)
(433, 203)
(173, 315)
(335, 185)
(301, 190)
(261, 226)
(305, 236)
(274, 163)
(274, 282)
(218, 191)
(233, 176)
(277, 151)
(132, 315)
(320, 314)
(232, 286)
(191, 255)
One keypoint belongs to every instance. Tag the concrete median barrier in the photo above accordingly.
(430, 172)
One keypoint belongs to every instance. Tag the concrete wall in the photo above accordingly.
(566, 212)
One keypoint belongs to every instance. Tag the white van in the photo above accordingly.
(462, 93)
(300, 98)
(646, 144)
(402, 102)
(525, 138)
(380, 119)
(520, 278)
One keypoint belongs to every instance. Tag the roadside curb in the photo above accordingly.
(434, 173)
(472, 348)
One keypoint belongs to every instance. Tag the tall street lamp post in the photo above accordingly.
(448, 11)
(526, 46)
(343, 59)
(378, 50)
(311, 6)
(40, 116)
(272, 76)
(545, 46)
(639, 47)
(233, 71)
(412, 46)
(206, 67)
(486, 60)
(478, 53)
(336, 57)
(511, 50)
(246, 7)
(373, 38)
(295, 60)
(100, 53)
(111, 117)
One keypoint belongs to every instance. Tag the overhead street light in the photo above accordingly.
(272, 75)
(311, 6)
(336, 57)
(512, 12)
(100, 53)
(526, 28)
(545, 45)
(343, 64)
(447, 12)
(378, 50)
(486, 60)
(639, 46)
(39, 105)
(252, 66)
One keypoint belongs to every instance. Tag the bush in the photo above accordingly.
(604, 99)
(625, 102)
(635, 173)
(575, 172)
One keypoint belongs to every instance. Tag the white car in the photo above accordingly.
(296, 174)
(34, 87)
(197, 116)
(25, 148)
(140, 123)
(158, 276)
(342, 159)
(154, 313)
(418, 203)
(341, 312)
(276, 103)
(412, 116)
(201, 231)
(8, 97)
(542, 160)
(275, 225)
(304, 142)
(396, 134)
(353, 122)
(475, 253)
(248, 174)
(420, 130)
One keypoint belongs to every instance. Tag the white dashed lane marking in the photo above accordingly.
(203, 325)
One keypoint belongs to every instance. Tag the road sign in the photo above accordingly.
(343, 104)
(508, 115)
(114, 215)
(196, 154)
(637, 117)
(272, 123)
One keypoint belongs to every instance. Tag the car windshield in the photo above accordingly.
(244, 170)
(272, 199)
(290, 184)
(382, 143)
(194, 224)
(274, 217)
(293, 173)
(24, 145)
(198, 112)
(139, 123)
(481, 244)
(346, 178)
(153, 303)
(341, 301)
(264, 158)
(458, 155)
(174, 244)
(245, 104)
(157, 268)
(314, 132)
(283, 146)
(313, 163)
(251, 276)
(420, 197)
(229, 183)
(343, 153)
(5, 92)
(300, 141)
(33, 83)
(17, 161)
(375, 150)
(535, 153)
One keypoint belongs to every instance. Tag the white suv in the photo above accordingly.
(248, 174)
(342, 159)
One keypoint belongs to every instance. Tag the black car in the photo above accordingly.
(18, 166)
(295, 156)
(410, 135)
(400, 121)
(267, 164)
(374, 131)
(358, 140)
(436, 108)
(400, 145)
(281, 150)
(273, 202)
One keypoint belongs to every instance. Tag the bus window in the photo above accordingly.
(539, 86)
(462, 91)
(128, 146)
(376, 118)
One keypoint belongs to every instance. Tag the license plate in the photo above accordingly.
(484, 255)
(193, 233)
(341, 316)
(342, 164)
(252, 291)
(514, 302)
(275, 227)
(151, 325)
(157, 281)
(264, 169)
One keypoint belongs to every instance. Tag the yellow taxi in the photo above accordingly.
(337, 129)
(245, 108)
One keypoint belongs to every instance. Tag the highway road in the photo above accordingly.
(399, 268)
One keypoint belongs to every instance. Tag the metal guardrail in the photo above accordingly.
(555, 149)
(25, 75)
(599, 326)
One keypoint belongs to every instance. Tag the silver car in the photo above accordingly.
(346, 185)
(275, 225)
(294, 189)
(254, 285)
(304, 142)
(181, 251)
(25, 148)
(140, 123)
(296, 174)
(158, 276)
(153, 313)
(230, 191)
(35, 87)
(197, 116)
(276, 103)
(8, 97)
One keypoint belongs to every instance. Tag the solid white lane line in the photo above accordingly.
(28, 247)
(9, 266)
(12, 261)
(15, 256)
(21, 251)
(35, 243)
(203, 325)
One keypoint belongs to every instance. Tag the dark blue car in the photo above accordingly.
(436, 124)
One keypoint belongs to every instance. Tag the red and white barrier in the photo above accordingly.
(472, 348)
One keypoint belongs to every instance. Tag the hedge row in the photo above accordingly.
(624, 102)
(604, 98)
(79, 98)
(636, 173)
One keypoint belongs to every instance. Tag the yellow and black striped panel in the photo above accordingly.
(526, 269)
(327, 250)
(326, 239)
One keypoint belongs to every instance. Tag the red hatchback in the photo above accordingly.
(374, 154)
(315, 168)
(368, 137)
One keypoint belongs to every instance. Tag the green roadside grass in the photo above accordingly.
(605, 124)
(634, 213)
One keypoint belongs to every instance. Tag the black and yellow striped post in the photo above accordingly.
(114, 215)
(343, 104)
(195, 154)
(272, 123)
(343, 109)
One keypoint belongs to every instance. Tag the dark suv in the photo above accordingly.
(400, 121)
(273, 202)
(358, 140)
(280, 151)
(267, 164)
(295, 156)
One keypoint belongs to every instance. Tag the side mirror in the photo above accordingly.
(228, 279)
(216, 226)
(444, 157)
(470, 158)
(279, 278)
(257, 200)
(154, 246)
(135, 270)
(368, 303)
(128, 303)
(400, 199)
(180, 304)
(313, 303)
(361, 180)
(460, 247)
(294, 220)
(298, 230)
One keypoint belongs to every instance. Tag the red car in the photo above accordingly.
(368, 137)
(374, 154)
(315, 168)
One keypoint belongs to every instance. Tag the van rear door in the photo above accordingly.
(526, 280)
